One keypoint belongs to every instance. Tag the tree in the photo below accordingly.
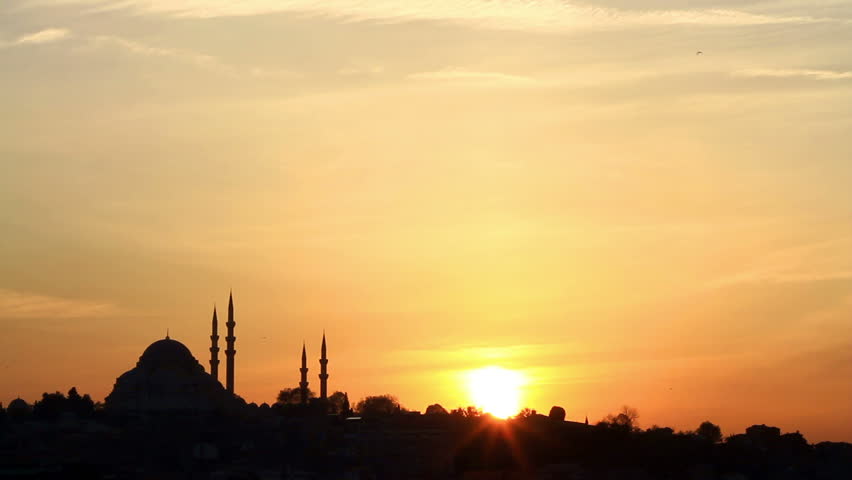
(557, 413)
(378, 405)
(658, 431)
(710, 432)
(292, 396)
(338, 403)
(50, 406)
(81, 406)
(436, 409)
(794, 444)
(468, 412)
(525, 413)
(624, 419)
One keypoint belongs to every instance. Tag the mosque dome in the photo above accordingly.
(18, 407)
(167, 378)
(169, 354)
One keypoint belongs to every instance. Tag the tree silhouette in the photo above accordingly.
(525, 413)
(625, 419)
(467, 412)
(710, 432)
(81, 406)
(292, 396)
(338, 403)
(50, 406)
(436, 409)
(378, 405)
(557, 413)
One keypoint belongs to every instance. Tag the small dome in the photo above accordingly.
(18, 406)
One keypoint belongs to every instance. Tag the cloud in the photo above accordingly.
(22, 305)
(542, 15)
(49, 35)
(795, 73)
(771, 275)
(818, 262)
(454, 75)
(200, 60)
(361, 68)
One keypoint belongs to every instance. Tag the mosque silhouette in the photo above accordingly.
(168, 378)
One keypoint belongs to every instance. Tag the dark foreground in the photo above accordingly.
(280, 443)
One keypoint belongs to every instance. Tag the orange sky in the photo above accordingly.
(558, 188)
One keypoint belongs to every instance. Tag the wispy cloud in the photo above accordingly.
(21, 305)
(817, 262)
(200, 60)
(49, 35)
(361, 68)
(455, 75)
(138, 48)
(769, 276)
(795, 73)
(542, 15)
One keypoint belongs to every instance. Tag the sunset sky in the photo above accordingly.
(560, 188)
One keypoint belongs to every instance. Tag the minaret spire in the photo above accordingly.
(303, 385)
(230, 351)
(214, 347)
(323, 376)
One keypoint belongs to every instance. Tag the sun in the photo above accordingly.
(496, 390)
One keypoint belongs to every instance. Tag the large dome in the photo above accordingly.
(168, 353)
(167, 378)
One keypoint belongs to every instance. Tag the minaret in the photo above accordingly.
(214, 347)
(230, 352)
(303, 385)
(323, 376)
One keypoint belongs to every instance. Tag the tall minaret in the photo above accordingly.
(323, 376)
(303, 385)
(214, 347)
(229, 340)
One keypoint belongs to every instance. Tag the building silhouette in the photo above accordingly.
(168, 378)
(214, 348)
(323, 376)
(230, 352)
(303, 383)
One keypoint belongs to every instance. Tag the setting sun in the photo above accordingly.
(496, 390)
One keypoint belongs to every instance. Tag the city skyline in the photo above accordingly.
(561, 189)
(484, 387)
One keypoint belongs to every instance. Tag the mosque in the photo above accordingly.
(168, 379)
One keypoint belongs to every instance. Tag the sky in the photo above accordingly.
(560, 188)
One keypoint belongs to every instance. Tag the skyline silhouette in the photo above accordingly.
(509, 205)
(150, 429)
(145, 390)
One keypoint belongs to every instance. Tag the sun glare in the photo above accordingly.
(496, 390)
